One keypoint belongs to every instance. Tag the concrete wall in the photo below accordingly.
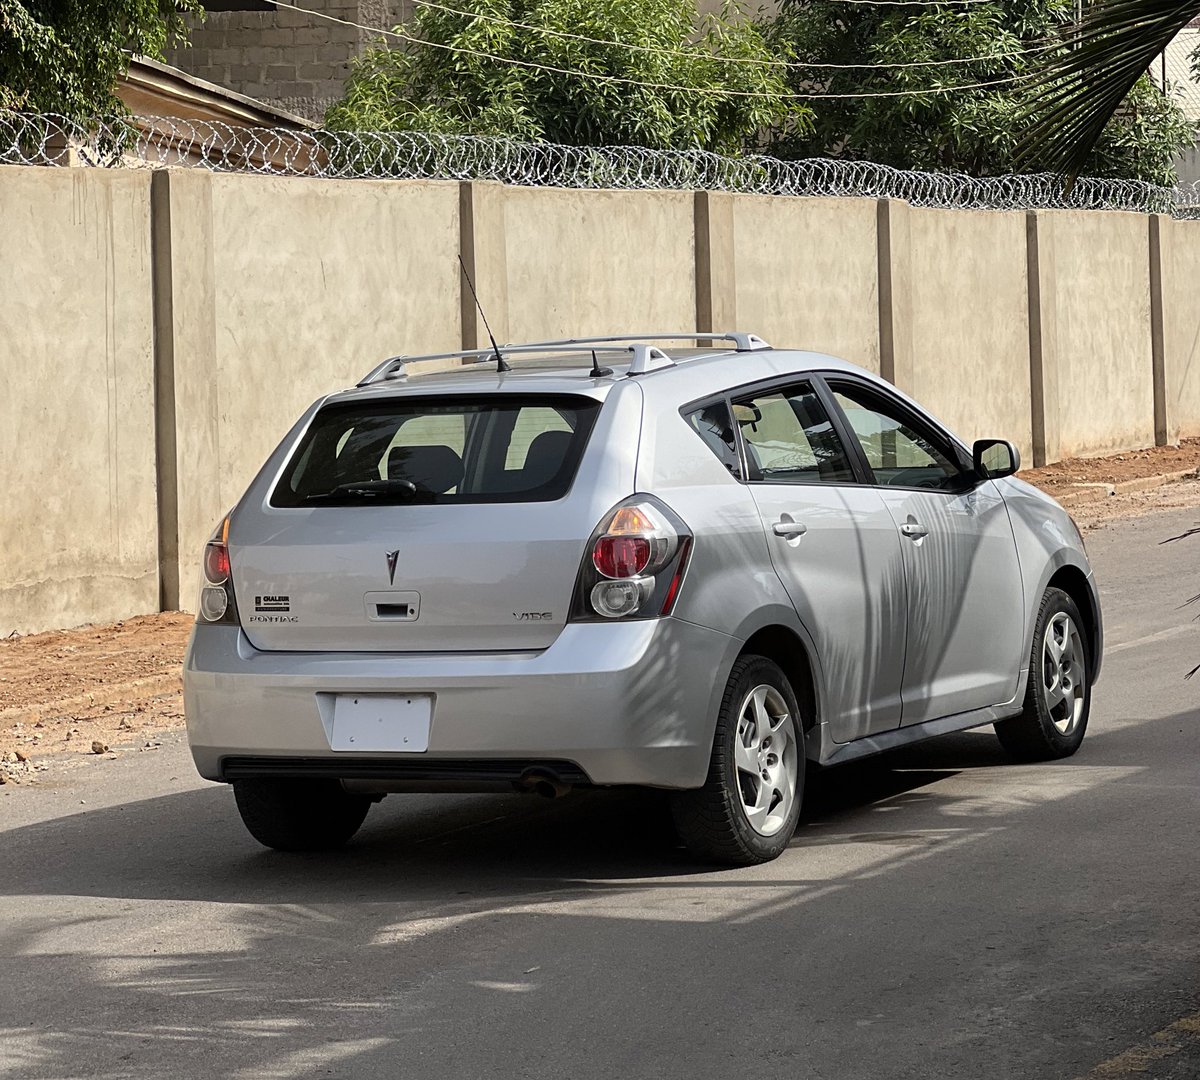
(1181, 325)
(578, 263)
(1101, 313)
(77, 529)
(968, 307)
(196, 315)
(806, 274)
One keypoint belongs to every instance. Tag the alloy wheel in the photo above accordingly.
(766, 759)
(1063, 673)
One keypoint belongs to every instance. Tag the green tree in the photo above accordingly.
(976, 129)
(65, 56)
(697, 98)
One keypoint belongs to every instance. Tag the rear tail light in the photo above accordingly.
(217, 604)
(634, 564)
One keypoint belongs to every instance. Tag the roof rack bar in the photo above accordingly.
(743, 342)
(393, 368)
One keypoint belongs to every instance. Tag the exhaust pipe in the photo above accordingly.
(545, 784)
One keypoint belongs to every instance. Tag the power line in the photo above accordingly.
(914, 3)
(622, 80)
(796, 64)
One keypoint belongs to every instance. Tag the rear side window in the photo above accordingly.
(502, 448)
(712, 423)
(789, 438)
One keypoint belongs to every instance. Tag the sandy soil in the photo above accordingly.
(77, 692)
(71, 695)
(1074, 476)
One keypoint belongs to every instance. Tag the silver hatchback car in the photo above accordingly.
(602, 563)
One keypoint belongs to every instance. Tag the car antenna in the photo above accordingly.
(597, 371)
(501, 366)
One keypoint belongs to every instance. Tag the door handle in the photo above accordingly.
(789, 528)
(914, 530)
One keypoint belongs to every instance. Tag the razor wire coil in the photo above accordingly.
(159, 142)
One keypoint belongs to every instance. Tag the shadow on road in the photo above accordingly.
(510, 936)
(422, 846)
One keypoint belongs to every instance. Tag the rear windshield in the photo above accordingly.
(439, 450)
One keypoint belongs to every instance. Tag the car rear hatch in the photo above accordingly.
(426, 523)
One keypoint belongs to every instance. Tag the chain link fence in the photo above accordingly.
(156, 142)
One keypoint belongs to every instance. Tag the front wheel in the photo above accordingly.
(1059, 695)
(748, 807)
(299, 815)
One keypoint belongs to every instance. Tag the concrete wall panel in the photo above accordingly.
(595, 262)
(1181, 325)
(806, 274)
(969, 322)
(1101, 296)
(77, 534)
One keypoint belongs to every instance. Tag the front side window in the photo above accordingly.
(448, 450)
(789, 438)
(899, 454)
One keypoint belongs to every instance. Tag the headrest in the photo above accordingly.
(431, 468)
(545, 457)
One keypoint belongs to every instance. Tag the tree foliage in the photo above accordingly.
(64, 56)
(976, 130)
(455, 90)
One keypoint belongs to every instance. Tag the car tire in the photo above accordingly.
(747, 810)
(299, 815)
(1058, 697)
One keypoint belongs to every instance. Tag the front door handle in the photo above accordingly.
(914, 530)
(789, 528)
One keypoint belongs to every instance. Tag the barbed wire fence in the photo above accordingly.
(159, 142)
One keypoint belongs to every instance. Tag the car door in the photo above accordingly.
(965, 600)
(836, 550)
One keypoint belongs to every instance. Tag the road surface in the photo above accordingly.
(942, 914)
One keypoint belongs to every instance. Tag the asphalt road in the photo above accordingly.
(940, 914)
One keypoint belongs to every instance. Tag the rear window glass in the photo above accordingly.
(439, 450)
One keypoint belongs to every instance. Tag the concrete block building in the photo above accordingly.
(293, 60)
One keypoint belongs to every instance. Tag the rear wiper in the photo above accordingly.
(369, 489)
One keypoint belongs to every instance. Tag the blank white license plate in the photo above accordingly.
(374, 723)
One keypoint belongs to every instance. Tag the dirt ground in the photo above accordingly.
(1073, 477)
(71, 695)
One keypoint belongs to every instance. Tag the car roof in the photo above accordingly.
(691, 372)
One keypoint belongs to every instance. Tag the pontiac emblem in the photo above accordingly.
(392, 557)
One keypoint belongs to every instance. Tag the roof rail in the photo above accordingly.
(645, 357)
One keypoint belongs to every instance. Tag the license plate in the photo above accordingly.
(381, 723)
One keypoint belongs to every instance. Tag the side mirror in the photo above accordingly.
(995, 458)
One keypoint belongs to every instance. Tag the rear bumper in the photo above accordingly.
(623, 703)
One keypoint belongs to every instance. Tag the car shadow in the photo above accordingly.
(192, 846)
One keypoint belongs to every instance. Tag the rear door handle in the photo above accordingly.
(789, 528)
(914, 530)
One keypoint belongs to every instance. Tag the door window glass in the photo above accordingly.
(713, 425)
(789, 438)
(899, 454)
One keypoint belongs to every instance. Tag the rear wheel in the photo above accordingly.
(1059, 695)
(747, 809)
(299, 815)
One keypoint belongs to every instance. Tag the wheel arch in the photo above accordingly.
(785, 647)
(1074, 582)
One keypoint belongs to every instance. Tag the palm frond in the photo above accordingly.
(1182, 536)
(1084, 84)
